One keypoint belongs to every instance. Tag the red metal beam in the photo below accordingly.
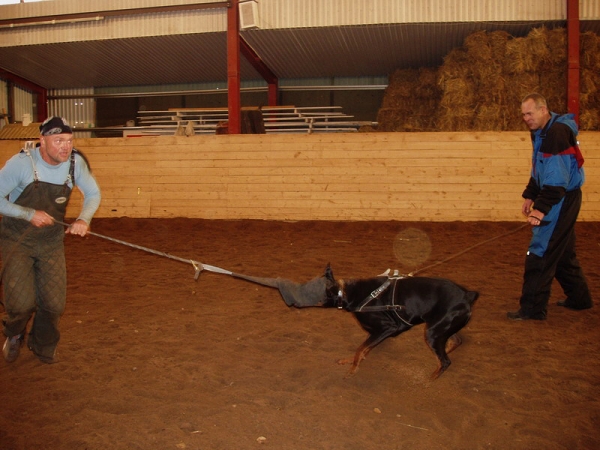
(41, 93)
(273, 94)
(263, 70)
(573, 58)
(233, 69)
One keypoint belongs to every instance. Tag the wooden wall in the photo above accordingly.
(349, 176)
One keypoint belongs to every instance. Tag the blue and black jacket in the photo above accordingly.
(557, 168)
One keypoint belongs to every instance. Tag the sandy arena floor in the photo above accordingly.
(152, 359)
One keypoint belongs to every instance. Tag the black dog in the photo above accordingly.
(387, 306)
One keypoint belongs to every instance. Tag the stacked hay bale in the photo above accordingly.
(409, 101)
(589, 88)
(480, 85)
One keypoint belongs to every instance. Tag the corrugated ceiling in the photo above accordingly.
(291, 53)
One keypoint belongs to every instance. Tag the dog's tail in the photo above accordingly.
(472, 296)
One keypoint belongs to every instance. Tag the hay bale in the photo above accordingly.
(518, 86)
(409, 100)
(455, 119)
(480, 85)
(459, 87)
(498, 40)
(588, 81)
(457, 106)
(401, 88)
(590, 51)
(388, 119)
(557, 45)
(536, 44)
(485, 51)
(590, 120)
(477, 46)
(489, 117)
(517, 59)
(393, 119)
(493, 89)
(589, 99)
(367, 129)
(427, 87)
(554, 84)
(417, 123)
(456, 65)
(538, 40)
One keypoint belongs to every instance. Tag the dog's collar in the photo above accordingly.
(364, 306)
(340, 299)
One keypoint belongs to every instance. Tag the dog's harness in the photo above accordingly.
(364, 306)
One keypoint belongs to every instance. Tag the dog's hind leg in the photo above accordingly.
(444, 361)
(442, 339)
(453, 342)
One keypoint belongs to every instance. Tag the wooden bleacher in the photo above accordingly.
(277, 119)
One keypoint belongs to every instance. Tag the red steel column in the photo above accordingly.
(233, 69)
(273, 93)
(261, 67)
(573, 58)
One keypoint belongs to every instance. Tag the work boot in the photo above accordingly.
(519, 315)
(12, 347)
(43, 358)
(570, 305)
(48, 359)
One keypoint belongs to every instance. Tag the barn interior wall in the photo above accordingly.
(336, 176)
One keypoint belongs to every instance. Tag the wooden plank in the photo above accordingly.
(283, 120)
(278, 114)
(283, 125)
(216, 109)
(274, 131)
(315, 108)
(405, 188)
(322, 115)
(435, 200)
(216, 176)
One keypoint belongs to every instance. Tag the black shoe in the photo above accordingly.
(566, 304)
(518, 315)
(12, 347)
(47, 359)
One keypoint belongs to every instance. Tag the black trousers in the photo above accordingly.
(560, 262)
(34, 283)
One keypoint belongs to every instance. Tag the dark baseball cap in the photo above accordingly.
(55, 125)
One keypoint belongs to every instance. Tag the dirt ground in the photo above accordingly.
(151, 358)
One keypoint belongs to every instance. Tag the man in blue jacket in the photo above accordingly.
(552, 204)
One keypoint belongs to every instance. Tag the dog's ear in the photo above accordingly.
(329, 273)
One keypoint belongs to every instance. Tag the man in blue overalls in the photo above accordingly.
(35, 187)
(552, 204)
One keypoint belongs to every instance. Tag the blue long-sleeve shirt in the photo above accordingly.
(17, 174)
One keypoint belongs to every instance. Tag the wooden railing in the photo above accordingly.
(277, 119)
(327, 176)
